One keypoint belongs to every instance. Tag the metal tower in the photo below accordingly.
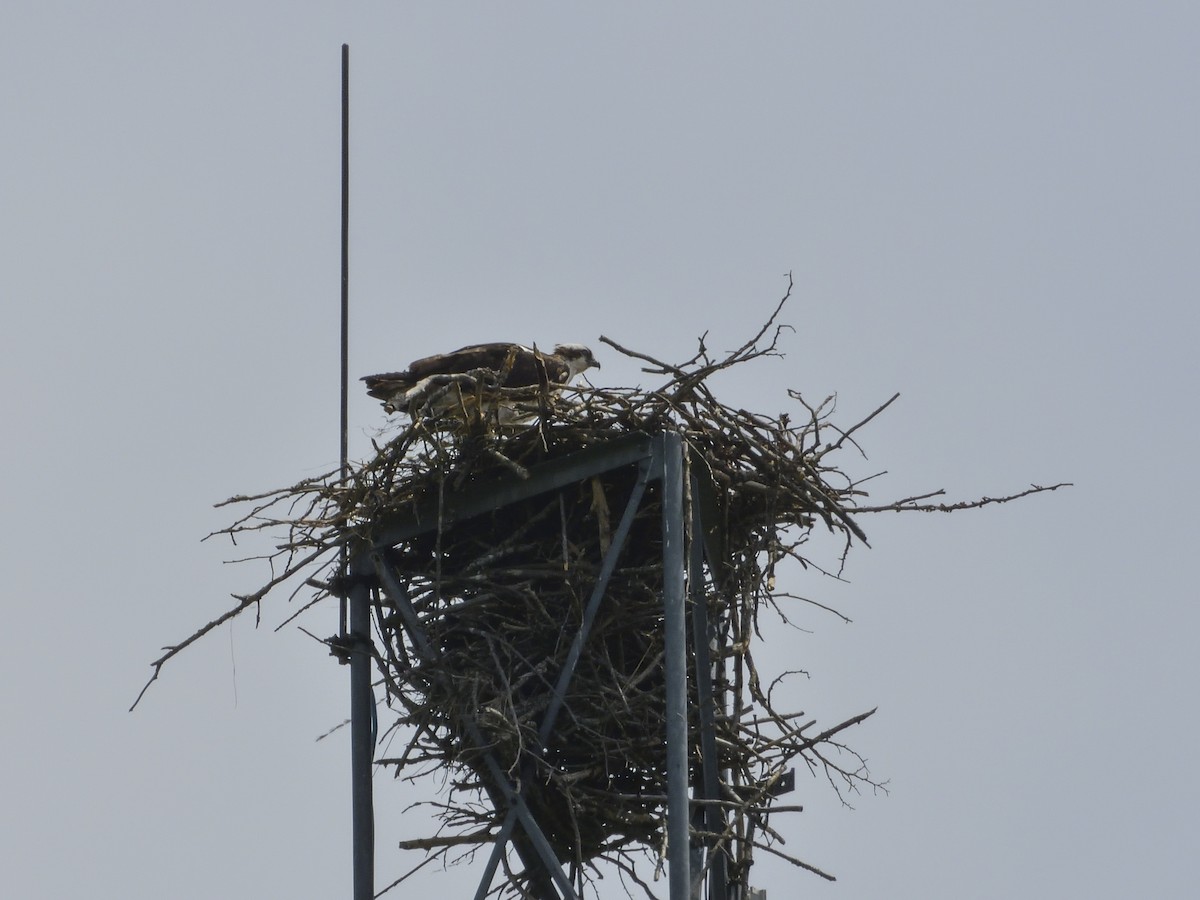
(657, 458)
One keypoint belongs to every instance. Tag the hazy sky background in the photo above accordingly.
(993, 208)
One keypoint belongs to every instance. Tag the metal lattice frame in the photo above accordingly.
(658, 458)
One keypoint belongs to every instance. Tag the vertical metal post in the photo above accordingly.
(362, 735)
(709, 815)
(358, 638)
(675, 635)
(345, 340)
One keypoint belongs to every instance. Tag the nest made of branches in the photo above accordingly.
(499, 597)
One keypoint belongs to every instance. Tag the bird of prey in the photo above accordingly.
(487, 373)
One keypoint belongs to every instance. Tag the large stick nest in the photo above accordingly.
(501, 595)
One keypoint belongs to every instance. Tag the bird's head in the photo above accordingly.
(577, 357)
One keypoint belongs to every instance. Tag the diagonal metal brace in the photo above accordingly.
(607, 566)
(433, 513)
(399, 596)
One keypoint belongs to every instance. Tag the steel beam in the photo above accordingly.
(661, 457)
(539, 845)
(712, 816)
(675, 638)
(607, 565)
(433, 512)
(362, 739)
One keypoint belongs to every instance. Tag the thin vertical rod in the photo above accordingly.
(345, 340)
(675, 638)
(362, 701)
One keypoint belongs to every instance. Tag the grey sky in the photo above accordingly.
(993, 208)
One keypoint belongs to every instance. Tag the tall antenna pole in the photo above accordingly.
(362, 701)
(345, 347)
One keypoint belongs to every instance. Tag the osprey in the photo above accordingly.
(452, 381)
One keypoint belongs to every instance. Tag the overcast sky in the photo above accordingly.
(993, 208)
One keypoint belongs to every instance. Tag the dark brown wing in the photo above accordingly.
(525, 368)
(530, 369)
(464, 359)
(387, 385)
(523, 365)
